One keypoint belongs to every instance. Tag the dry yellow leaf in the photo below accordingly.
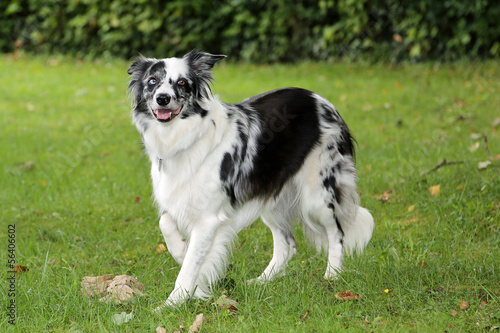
(95, 285)
(435, 190)
(20, 269)
(161, 248)
(384, 197)
(411, 208)
(347, 296)
(463, 305)
(119, 289)
(122, 288)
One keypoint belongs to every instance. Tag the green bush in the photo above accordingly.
(255, 30)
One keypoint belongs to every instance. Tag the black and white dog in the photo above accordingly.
(284, 155)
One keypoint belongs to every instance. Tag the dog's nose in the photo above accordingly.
(163, 99)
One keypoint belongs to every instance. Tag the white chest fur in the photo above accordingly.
(185, 167)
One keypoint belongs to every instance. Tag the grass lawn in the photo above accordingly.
(75, 182)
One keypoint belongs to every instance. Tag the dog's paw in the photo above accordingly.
(331, 274)
(255, 281)
(166, 306)
(263, 279)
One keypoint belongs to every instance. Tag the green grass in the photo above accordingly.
(72, 167)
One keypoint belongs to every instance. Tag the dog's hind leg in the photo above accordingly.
(284, 245)
(176, 244)
(335, 250)
(329, 204)
(322, 228)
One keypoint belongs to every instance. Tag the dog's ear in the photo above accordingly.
(139, 66)
(202, 62)
(137, 70)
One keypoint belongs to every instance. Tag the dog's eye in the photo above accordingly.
(181, 82)
(152, 81)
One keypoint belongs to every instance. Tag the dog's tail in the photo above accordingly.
(358, 233)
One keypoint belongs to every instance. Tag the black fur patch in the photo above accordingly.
(289, 126)
(290, 130)
(346, 144)
(330, 184)
(339, 227)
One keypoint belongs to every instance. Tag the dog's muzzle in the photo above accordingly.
(165, 114)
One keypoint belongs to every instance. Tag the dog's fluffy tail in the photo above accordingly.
(358, 234)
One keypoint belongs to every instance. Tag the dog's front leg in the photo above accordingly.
(176, 244)
(200, 244)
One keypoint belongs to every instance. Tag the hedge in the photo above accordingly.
(255, 30)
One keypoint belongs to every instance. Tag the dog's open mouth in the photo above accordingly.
(166, 115)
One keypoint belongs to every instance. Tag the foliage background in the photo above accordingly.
(255, 30)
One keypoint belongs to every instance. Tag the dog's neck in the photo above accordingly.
(168, 144)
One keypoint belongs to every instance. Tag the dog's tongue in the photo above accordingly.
(165, 114)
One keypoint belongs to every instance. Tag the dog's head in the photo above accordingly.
(164, 89)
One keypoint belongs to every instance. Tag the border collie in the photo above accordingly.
(283, 156)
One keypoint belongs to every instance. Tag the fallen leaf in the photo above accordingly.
(347, 296)
(54, 262)
(160, 329)
(161, 248)
(496, 157)
(460, 187)
(224, 302)
(411, 208)
(463, 305)
(20, 269)
(398, 85)
(231, 308)
(195, 327)
(95, 285)
(118, 294)
(474, 147)
(435, 190)
(483, 165)
(454, 312)
(384, 197)
(122, 288)
(122, 318)
(137, 199)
